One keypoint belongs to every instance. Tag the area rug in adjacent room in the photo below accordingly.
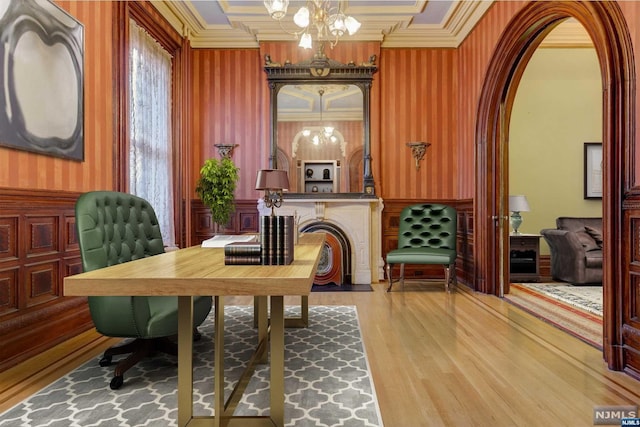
(327, 380)
(330, 287)
(578, 320)
(588, 298)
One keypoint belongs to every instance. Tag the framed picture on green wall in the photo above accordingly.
(592, 170)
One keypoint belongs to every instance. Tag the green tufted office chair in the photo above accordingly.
(114, 228)
(427, 235)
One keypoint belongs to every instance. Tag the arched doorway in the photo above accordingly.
(607, 28)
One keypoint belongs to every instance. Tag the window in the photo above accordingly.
(150, 127)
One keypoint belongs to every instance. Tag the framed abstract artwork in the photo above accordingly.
(592, 170)
(42, 76)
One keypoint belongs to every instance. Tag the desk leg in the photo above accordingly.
(291, 322)
(261, 317)
(185, 360)
(304, 310)
(218, 360)
(277, 360)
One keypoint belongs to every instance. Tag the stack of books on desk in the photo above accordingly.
(275, 245)
(277, 239)
(243, 253)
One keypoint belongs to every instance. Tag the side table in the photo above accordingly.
(524, 257)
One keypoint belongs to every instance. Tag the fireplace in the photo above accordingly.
(353, 227)
(335, 262)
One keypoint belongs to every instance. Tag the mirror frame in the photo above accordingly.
(321, 69)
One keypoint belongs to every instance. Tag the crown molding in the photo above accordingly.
(250, 25)
(457, 25)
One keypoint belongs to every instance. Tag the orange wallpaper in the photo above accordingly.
(418, 94)
(418, 103)
(20, 169)
(473, 56)
(230, 105)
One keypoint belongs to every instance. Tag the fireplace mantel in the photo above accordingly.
(359, 218)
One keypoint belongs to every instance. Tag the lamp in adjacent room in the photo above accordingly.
(273, 182)
(517, 204)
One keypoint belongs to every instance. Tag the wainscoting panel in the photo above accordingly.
(38, 248)
(630, 324)
(244, 220)
(8, 291)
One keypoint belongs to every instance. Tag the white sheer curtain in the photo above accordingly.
(150, 171)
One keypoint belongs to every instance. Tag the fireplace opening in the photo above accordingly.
(335, 261)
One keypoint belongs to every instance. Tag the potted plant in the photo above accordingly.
(216, 187)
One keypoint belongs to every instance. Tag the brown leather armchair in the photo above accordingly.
(576, 250)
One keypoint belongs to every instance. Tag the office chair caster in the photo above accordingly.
(105, 361)
(116, 382)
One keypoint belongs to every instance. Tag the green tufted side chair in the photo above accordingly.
(114, 228)
(427, 235)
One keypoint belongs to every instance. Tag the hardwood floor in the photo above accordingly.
(437, 359)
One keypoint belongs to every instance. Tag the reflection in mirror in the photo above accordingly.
(321, 126)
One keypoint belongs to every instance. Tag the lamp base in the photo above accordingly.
(516, 222)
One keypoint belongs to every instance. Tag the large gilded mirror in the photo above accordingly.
(320, 126)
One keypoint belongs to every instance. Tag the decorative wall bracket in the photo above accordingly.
(226, 150)
(418, 150)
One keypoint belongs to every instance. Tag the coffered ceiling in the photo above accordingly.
(397, 23)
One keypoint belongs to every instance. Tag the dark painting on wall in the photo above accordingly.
(42, 73)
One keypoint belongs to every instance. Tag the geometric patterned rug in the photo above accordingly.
(327, 380)
(575, 316)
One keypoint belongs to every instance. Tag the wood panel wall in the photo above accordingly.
(244, 220)
(38, 248)
(37, 197)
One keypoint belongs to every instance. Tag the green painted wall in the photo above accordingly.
(558, 107)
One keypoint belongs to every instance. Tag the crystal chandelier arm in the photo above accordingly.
(301, 18)
(293, 33)
(330, 23)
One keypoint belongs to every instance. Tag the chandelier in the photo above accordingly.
(319, 16)
(323, 134)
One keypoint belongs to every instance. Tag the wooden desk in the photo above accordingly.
(201, 271)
